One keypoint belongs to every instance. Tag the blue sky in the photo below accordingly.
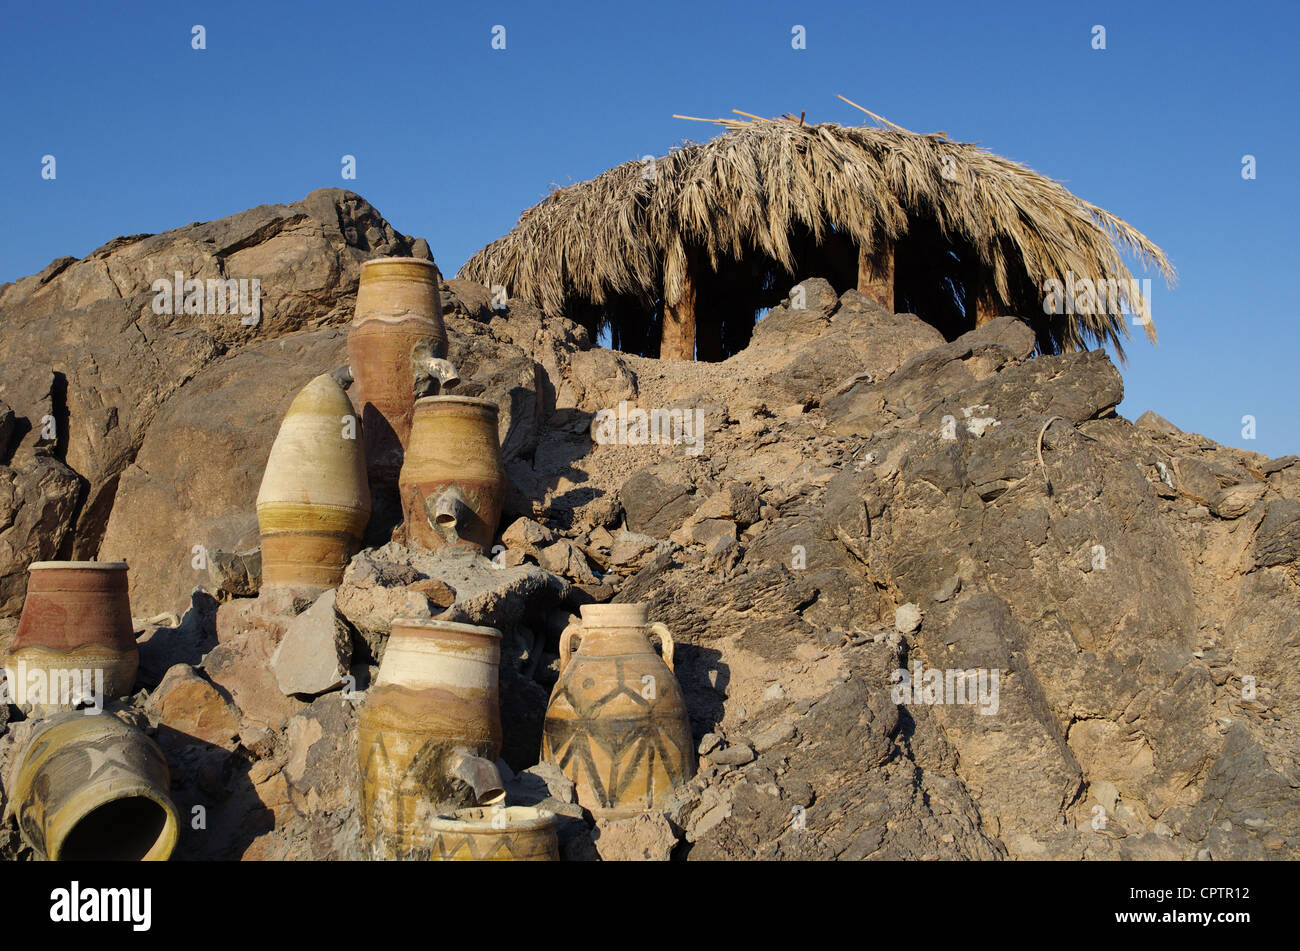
(453, 138)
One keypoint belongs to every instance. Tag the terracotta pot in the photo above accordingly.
(314, 500)
(394, 345)
(429, 733)
(453, 483)
(499, 833)
(75, 626)
(617, 723)
(94, 788)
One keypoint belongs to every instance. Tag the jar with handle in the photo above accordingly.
(617, 723)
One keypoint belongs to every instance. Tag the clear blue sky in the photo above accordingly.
(453, 139)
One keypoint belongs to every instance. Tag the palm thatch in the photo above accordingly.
(779, 191)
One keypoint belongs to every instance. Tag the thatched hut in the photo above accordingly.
(678, 255)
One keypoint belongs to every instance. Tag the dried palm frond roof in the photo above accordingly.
(630, 230)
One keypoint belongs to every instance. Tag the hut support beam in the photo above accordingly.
(876, 275)
(986, 304)
(677, 339)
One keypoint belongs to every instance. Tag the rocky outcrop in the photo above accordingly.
(932, 599)
(230, 411)
(91, 365)
(38, 506)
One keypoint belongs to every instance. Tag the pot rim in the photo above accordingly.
(168, 835)
(605, 614)
(100, 565)
(433, 624)
(518, 819)
(451, 399)
(389, 260)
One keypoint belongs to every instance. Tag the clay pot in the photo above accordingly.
(395, 343)
(314, 500)
(617, 723)
(453, 482)
(429, 733)
(94, 788)
(501, 833)
(75, 626)
(397, 328)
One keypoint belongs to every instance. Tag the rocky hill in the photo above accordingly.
(862, 498)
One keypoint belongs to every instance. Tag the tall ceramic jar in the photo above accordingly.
(398, 327)
(94, 788)
(453, 482)
(496, 834)
(398, 322)
(314, 500)
(429, 733)
(75, 627)
(617, 723)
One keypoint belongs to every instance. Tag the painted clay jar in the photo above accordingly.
(617, 723)
(314, 501)
(94, 788)
(496, 834)
(429, 732)
(452, 481)
(396, 333)
(75, 626)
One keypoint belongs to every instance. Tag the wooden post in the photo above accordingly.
(987, 305)
(677, 338)
(876, 275)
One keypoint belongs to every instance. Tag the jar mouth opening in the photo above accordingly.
(134, 823)
(450, 400)
(616, 615)
(418, 262)
(92, 565)
(480, 819)
(432, 624)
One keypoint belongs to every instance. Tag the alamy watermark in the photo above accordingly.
(215, 296)
(978, 685)
(76, 904)
(655, 427)
(67, 687)
(1085, 296)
